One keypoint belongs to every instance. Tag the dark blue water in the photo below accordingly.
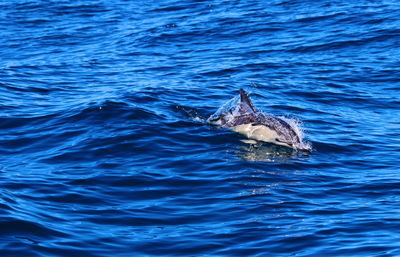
(104, 150)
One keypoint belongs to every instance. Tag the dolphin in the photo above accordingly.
(259, 126)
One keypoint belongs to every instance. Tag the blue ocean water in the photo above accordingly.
(104, 150)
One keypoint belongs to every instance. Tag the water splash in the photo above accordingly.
(296, 125)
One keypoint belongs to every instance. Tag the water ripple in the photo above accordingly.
(105, 149)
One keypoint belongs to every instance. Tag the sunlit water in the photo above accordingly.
(105, 150)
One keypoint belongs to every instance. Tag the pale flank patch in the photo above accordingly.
(259, 132)
(249, 141)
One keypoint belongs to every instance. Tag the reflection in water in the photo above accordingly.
(268, 153)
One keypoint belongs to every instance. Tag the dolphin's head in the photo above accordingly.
(225, 113)
(216, 120)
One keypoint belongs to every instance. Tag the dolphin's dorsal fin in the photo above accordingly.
(244, 98)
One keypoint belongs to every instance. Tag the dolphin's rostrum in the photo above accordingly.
(245, 119)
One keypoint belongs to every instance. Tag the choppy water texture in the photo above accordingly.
(104, 151)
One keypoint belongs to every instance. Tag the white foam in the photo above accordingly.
(296, 125)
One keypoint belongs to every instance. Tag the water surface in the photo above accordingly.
(104, 150)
